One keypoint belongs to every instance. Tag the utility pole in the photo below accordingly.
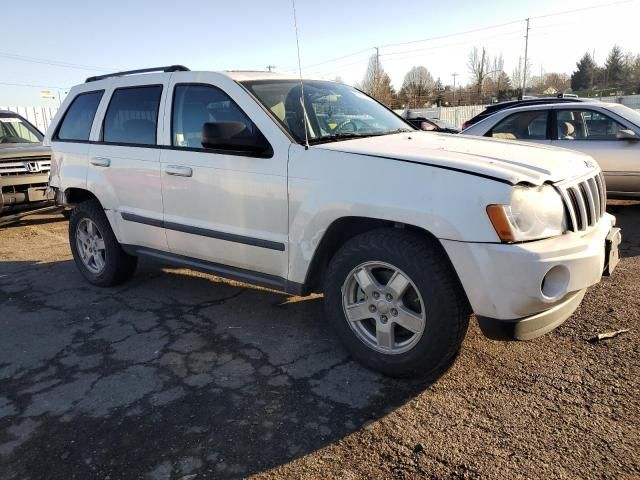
(269, 67)
(526, 50)
(455, 111)
(377, 73)
(454, 75)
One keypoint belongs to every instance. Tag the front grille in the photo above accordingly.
(25, 166)
(585, 200)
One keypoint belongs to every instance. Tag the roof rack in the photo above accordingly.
(170, 68)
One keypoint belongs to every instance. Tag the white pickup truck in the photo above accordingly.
(315, 187)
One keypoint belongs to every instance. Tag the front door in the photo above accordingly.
(225, 206)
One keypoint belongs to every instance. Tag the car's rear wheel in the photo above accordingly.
(96, 251)
(396, 302)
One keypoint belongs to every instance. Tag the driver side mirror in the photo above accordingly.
(233, 136)
(628, 135)
(426, 126)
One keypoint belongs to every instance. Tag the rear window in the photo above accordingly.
(132, 116)
(77, 121)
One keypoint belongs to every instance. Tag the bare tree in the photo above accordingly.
(376, 82)
(478, 65)
(418, 85)
(497, 67)
(517, 75)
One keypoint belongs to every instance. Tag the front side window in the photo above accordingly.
(531, 125)
(196, 105)
(586, 125)
(132, 116)
(77, 121)
(334, 111)
(16, 130)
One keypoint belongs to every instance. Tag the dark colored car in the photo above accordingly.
(24, 162)
(491, 109)
(432, 125)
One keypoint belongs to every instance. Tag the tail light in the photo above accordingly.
(465, 125)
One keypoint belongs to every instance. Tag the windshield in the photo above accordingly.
(16, 130)
(625, 112)
(334, 111)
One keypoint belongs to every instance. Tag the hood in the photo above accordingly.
(505, 160)
(23, 150)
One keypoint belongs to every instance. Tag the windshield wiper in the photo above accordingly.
(349, 136)
(397, 130)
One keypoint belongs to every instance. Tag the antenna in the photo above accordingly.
(304, 110)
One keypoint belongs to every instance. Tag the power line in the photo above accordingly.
(475, 30)
(449, 35)
(54, 63)
(575, 10)
(402, 52)
(34, 86)
(359, 52)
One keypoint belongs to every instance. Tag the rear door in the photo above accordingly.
(124, 161)
(528, 126)
(595, 133)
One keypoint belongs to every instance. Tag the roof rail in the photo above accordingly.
(170, 68)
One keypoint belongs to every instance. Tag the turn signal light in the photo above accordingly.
(500, 222)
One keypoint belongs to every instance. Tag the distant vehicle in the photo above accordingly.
(491, 109)
(24, 162)
(609, 132)
(432, 125)
(313, 186)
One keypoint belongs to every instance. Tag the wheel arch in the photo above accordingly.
(74, 195)
(341, 231)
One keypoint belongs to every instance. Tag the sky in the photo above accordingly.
(55, 45)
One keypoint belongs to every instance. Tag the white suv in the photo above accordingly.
(405, 232)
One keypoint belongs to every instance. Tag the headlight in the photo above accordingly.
(534, 213)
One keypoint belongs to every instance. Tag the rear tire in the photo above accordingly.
(413, 325)
(96, 251)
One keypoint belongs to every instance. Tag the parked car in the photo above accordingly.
(609, 132)
(432, 125)
(405, 232)
(497, 107)
(24, 162)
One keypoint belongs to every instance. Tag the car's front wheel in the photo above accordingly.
(96, 251)
(396, 302)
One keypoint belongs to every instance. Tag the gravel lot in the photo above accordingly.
(182, 375)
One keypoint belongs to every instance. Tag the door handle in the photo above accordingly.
(178, 171)
(100, 161)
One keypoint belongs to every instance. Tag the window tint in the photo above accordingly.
(76, 124)
(132, 116)
(195, 105)
(586, 125)
(530, 125)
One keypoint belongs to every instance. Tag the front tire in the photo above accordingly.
(96, 251)
(396, 302)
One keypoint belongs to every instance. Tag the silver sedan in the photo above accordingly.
(609, 132)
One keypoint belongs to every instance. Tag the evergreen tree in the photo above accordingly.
(582, 79)
(614, 67)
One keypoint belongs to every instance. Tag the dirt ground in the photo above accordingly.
(181, 375)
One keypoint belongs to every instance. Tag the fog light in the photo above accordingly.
(555, 282)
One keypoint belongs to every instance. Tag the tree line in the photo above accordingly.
(490, 83)
(619, 75)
